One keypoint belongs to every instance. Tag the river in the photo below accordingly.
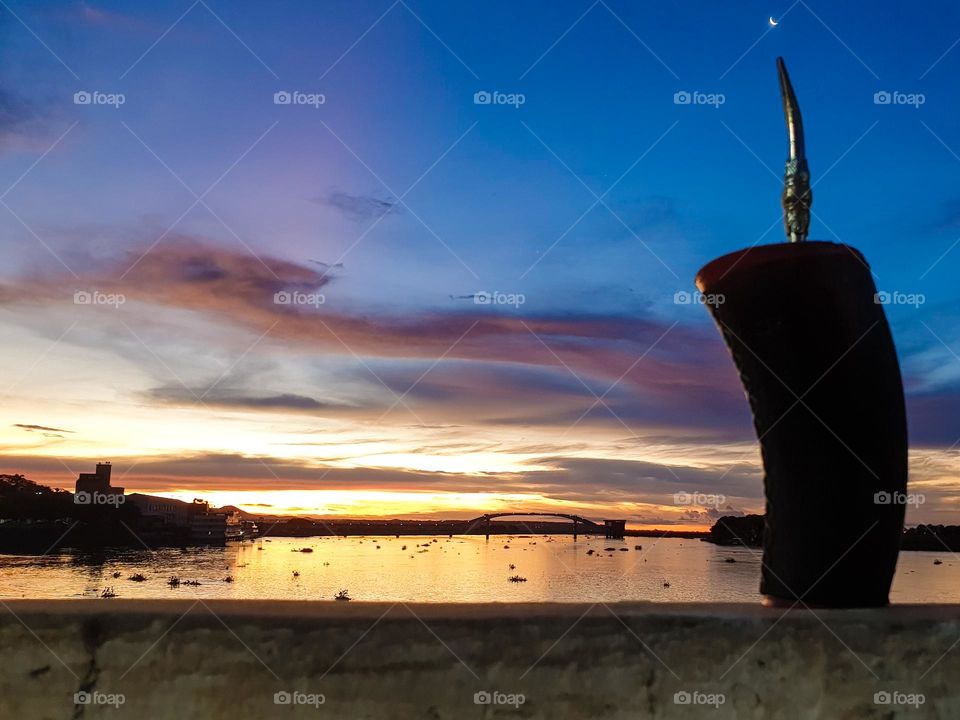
(440, 569)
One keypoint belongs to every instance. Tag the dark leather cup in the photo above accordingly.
(810, 339)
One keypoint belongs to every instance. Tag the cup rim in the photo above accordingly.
(747, 260)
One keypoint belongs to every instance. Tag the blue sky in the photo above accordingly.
(399, 198)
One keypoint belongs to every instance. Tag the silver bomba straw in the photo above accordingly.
(797, 197)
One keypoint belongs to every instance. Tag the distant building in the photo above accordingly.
(208, 527)
(167, 510)
(615, 528)
(204, 525)
(97, 484)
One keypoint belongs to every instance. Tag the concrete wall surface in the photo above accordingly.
(219, 660)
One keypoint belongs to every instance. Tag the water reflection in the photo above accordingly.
(428, 569)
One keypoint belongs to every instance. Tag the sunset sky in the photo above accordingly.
(388, 209)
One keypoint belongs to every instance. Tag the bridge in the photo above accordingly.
(610, 528)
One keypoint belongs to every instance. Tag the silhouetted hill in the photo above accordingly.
(22, 499)
(731, 530)
(748, 531)
(931, 537)
(35, 518)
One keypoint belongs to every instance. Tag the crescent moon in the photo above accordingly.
(773, 23)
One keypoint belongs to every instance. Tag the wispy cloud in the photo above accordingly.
(358, 207)
(40, 428)
(238, 400)
(512, 368)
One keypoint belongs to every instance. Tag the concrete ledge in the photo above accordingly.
(227, 659)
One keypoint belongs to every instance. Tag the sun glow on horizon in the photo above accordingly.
(367, 503)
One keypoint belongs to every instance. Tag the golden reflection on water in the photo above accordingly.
(440, 569)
